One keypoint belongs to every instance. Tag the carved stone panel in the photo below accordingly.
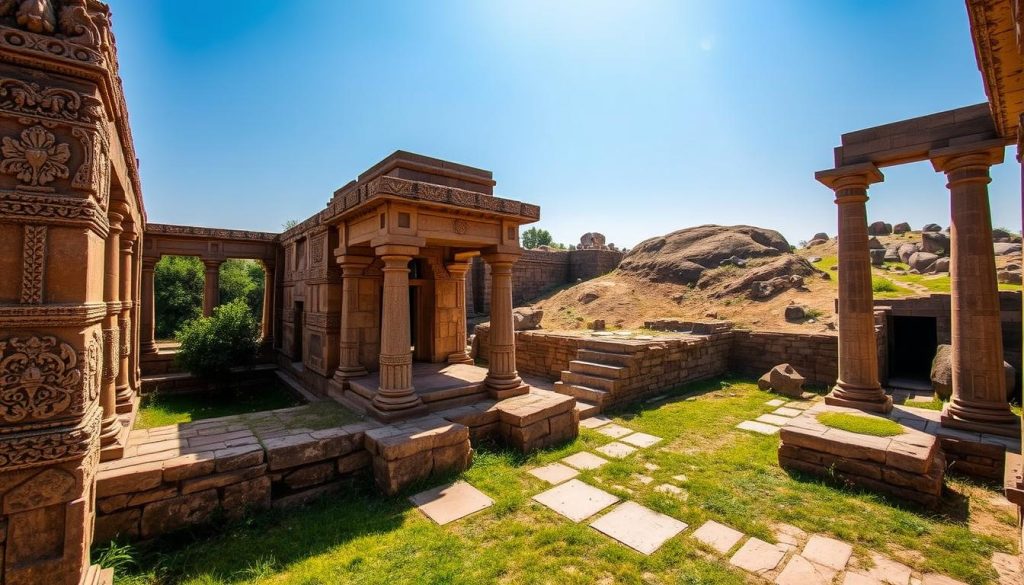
(41, 379)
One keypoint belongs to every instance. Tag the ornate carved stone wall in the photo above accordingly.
(66, 157)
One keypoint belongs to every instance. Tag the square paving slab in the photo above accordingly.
(640, 440)
(828, 552)
(554, 473)
(616, 449)
(614, 431)
(576, 500)
(595, 421)
(757, 556)
(718, 536)
(639, 528)
(775, 402)
(448, 503)
(773, 419)
(584, 461)
(888, 571)
(800, 571)
(786, 411)
(758, 427)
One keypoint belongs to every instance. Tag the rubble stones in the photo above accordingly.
(783, 379)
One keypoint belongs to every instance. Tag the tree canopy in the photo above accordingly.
(534, 237)
(179, 283)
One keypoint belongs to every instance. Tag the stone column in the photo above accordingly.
(502, 380)
(266, 331)
(396, 397)
(211, 286)
(125, 392)
(979, 386)
(148, 308)
(352, 268)
(857, 386)
(136, 313)
(110, 425)
(458, 271)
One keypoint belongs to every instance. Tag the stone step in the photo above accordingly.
(598, 369)
(584, 393)
(591, 381)
(604, 357)
(587, 409)
(610, 346)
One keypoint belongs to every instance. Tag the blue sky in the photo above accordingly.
(629, 118)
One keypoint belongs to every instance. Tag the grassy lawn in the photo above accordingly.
(731, 476)
(167, 409)
(864, 425)
(936, 283)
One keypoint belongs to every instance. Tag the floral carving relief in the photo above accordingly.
(49, 102)
(38, 377)
(36, 158)
(33, 264)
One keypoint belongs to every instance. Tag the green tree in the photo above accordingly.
(211, 346)
(534, 237)
(178, 281)
(289, 224)
(242, 279)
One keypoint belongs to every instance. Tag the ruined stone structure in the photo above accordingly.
(71, 226)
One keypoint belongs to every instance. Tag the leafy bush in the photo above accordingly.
(882, 285)
(179, 293)
(211, 346)
(242, 279)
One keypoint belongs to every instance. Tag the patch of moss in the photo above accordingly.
(862, 425)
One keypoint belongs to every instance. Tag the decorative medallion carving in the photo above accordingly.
(36, 158)
(39, 377)
(48, 102)
(460, 226)
(33, 264)
(319, 243)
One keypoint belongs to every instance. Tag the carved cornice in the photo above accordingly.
(162, 229)
(53, 315)
(24, 450)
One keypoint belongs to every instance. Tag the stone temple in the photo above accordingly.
(367, 304)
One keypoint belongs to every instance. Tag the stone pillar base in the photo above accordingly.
(460, 358)
(504, 392)
(148, 347)
(374, 411)
(125, 399)
(1010, 428)
(841, 397)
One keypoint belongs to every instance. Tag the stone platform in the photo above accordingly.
(910, 466)
(439, 386)
(528, 422)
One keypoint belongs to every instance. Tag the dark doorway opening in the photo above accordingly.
(912, 345)
(298, 332)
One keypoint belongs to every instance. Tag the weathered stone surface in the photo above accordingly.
(584, 461)
(783, 379)
(942, 373)
(218, 480)
(451, 502)
(554, 473)
(718, 536)
(757, 556)
(119, 524)
(310, 475)
(146, 476)
(253, 494)
(901, 228)
(931, 227)
(169, 515)
(795, 312)
(637, 527)
(922, 261)
(576, 500)
(935, 242)
(801, 571)
(829, 552)
(527, 318)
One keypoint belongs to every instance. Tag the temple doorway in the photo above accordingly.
(912, 346)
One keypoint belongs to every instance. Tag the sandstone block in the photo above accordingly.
(169, 515)
(125, 480)
(190, 465)
(238, 457)
(354, 462)
(247, 495)
(119, 524)
(310, 475)
(221, 479)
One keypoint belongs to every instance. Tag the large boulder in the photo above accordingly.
(527, 318)
(1006, 248)
(877, 256)
(942, 373)
(820, 236)
(931, 227)
(901, 228)
(1008, 275)
(874, 244)
(593, 241)
(905, 251)
(880, 228)
(783, 379)
(681, 257)
(941, 265)
(796, 313)
(935, 242)
(1001, 235)
(763, 281)
(922, 261)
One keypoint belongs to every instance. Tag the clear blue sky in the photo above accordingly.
(628, 118)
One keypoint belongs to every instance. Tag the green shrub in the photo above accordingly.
(882, 285)
(211, 346)
(179, 293)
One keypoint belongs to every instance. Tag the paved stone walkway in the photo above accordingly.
(771, 423)
(796, 558)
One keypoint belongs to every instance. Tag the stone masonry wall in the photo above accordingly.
(537, 272)
(538, 353)
(177, 476)
(816, 357)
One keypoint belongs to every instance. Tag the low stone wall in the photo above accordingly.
(815, 356)
(412, 451)
(178, 476)
(538, 353)
(527, 423)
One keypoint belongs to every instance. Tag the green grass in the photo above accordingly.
(733, 477)
(167, 409)
(862, 425)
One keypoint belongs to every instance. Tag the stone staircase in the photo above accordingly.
(600, 368)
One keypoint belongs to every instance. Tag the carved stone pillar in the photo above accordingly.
(266, 330)
(148, 308)
(458, 271)
(396, 397)
(502, 380)
(125, 392)
(349, 366)
(136, 314)
(979, 400)
(211, 286)
(857, 386)
(110, 427)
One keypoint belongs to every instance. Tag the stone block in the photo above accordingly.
(238, 457)
(310, 475)
(142, 498)
(394, 475)
(126, 480)
(123, 524)
(253, 494)
(112, 504)
(354, 462)
(300, 449)
(218, 480)
(190, 465)
(453, 458)
(167, 516)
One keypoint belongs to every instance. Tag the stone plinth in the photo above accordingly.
(415, 450)
(537, 420)
(909, 466)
